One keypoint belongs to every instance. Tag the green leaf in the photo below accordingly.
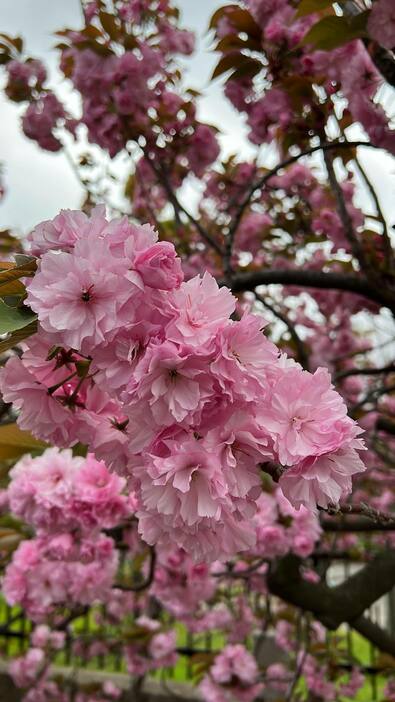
(226, 63)
(242, 65)
(82, 368)
(13, 318)
(250, 67)
(15, 287)
(14, 442)
(307, 7)
(109, 24)
(16, 337)
(332, 32)
(235, 43)
(24, 268)
(80, 450)
(244, 22)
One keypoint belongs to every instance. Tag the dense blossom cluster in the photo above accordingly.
(45, 114)
(281, 528)
(234, 675)
(68, 501)
(122, 65)
(347, 71)
(31, 671)
(209, 448)
(157, 379)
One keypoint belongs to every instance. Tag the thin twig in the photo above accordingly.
(390, 260)
(245, 573)
(364, 371)
(299, 345)
(364, 510)
(178, 207)
(298, 673)
(261, 182)
(371, 396)
(344, 214)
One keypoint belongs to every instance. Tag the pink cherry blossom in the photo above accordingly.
(325, 479)
(200, 308)
(307, 416)
(159, 267)
(233, 675)
(76, 299)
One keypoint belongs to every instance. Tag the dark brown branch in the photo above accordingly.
(75, 614)
(389, 252)
(383, 60)
(365, 371)
(384, 424)
(344, 214)
(352, 283)
(244, 573)
(333, 606)
(372, 397)
(361, 525)
(362, 509)
(371, 517)
(387, 245)
(362, 352)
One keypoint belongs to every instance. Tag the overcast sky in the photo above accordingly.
(39, 184)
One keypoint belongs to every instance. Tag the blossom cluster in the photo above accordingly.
(71, 564)
(233, 676)
(151, 648)
(346, 71)
(281, 528)
(45, 114)
(69, 561)
(31, 671)
(154, 375)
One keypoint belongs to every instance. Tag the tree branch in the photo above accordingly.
(386, 238)
(333, 605)
(383, 60)
(344, 214)
(178, 207)
(352, 283)
(385, 424)
(364, 371)
(349, 526)
(364, 510)
(300, 347)
(375, 634)
(261, 182)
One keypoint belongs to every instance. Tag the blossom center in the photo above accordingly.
(86, 294)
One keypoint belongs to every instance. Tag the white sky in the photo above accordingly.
(39, 183)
